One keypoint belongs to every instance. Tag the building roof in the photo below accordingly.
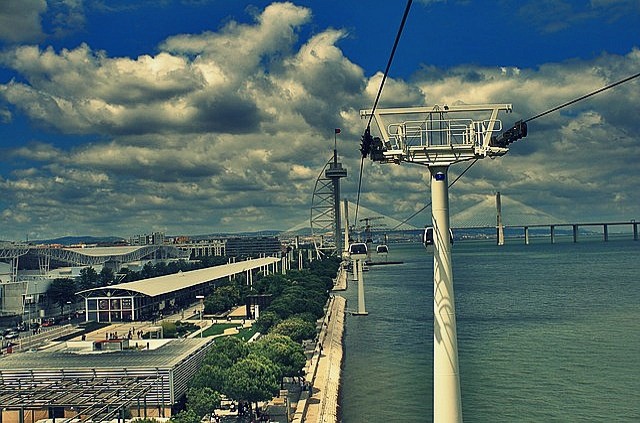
(92, 256)
(167, 356)
(181, 280)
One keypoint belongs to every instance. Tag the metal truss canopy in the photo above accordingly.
(96, 399)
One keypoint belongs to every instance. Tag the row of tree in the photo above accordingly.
(252, 372)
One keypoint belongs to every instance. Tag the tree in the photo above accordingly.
(222, 299)
(272, 284)
(210, 376)
(88, 278)
(186, 416)
(266, 321)
(284, 352)
(296, 329)
(106, 276)
(202, 401)
(252, 379)
(60, 291)
(226, 351)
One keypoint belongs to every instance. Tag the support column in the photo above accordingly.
(605, 231)
(575, 233)
(447, 402)
(354, 266)
(526, 235)
(362, 310)
(499, 226)
(635, 231)
(553, 233)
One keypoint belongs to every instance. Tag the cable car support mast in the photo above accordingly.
(437, 137)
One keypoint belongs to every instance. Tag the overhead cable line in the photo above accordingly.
(519, 133)
(428, 204)
(375, 103)
(568, 103)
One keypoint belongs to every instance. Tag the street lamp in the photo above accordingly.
(69, 310)
(201, 298)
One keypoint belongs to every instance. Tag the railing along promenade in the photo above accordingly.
(574, 226)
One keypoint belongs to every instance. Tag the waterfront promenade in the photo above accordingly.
(323, 369)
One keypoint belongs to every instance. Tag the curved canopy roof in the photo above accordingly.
(181, 280)
(92, 256)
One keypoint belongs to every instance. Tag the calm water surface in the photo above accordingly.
(546, 333)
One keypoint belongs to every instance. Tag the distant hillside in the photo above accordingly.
(73, 240)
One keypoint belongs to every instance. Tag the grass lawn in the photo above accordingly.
(246, 333)
(218, 329)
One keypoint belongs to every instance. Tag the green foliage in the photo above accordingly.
(218, 329)
(253, 379)
(202, 401)
(62, 290)
(296, 329)
(210, 376)
(272, 284)
(169, 329)
(106, 276)
(266, 321)
(297, 299)
(176, 329)
(222, 299)
(88, 278)
(226, 351)
(307, 317)
(287, 354)
(186, 416)
(253, 372)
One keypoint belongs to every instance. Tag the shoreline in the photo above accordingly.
(324, 368)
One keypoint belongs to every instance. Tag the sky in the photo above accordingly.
(204, 116)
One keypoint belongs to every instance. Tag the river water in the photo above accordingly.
(546, 333)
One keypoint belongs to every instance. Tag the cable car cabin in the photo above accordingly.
(382, 249)
(428, 239)
(358, 251)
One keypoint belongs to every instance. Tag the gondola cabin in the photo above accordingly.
(382, 249)
(428, 238)
(358, 251)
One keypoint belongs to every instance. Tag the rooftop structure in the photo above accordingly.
(149, 297)
(98, 386)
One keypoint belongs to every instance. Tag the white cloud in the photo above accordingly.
(20, 20)
(228, 130)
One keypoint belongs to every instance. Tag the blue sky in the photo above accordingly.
(196, 116)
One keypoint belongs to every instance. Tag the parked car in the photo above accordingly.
(48, 322)
(11, 335)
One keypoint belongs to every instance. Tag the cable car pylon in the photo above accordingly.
(437, 137)
(358, 253)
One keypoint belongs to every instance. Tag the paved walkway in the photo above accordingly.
(324, 369)
(340, 282)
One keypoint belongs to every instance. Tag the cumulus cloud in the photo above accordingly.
(20, 20)
(228, 130)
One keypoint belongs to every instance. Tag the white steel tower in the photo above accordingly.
(325, 207)
(438, 137)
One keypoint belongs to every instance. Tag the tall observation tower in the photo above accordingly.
(325, 207)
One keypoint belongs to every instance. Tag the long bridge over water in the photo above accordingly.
(516, 213)
(574, 229)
